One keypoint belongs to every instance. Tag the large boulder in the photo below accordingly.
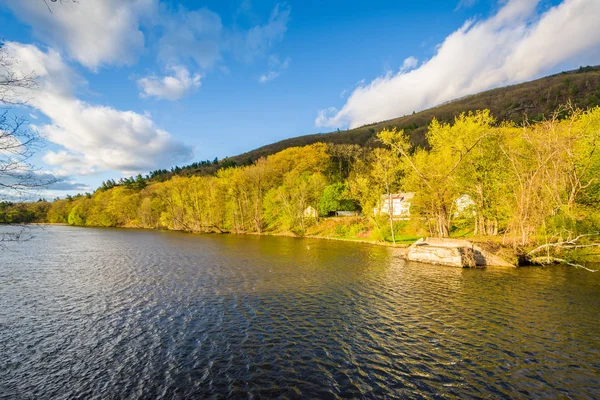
(454, 256)
(452, 252)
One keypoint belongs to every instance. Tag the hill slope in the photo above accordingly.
(533, 100)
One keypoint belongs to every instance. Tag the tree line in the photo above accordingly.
(528, 183)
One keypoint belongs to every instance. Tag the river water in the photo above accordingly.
(110, 313)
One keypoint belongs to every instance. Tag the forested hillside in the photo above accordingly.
(533, 100)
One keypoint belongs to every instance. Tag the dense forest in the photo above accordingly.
(528, 183)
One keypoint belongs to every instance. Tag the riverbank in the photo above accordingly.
(281, 234)
(341, 239)
(327, 228)
(402, 247)
(50, 224)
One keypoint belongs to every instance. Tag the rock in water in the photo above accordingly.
(440, 254)
(452, 252)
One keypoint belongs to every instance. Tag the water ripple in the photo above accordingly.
(112, 314)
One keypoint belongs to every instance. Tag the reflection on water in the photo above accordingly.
(138, 314)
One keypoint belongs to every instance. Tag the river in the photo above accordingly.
(115, 313)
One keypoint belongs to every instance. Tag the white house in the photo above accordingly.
(311, 212)
(397, 204)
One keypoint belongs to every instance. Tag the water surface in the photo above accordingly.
(109, 313)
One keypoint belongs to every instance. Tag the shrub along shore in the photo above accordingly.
(533, 188)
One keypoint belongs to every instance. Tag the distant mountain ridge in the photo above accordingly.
(534, 100)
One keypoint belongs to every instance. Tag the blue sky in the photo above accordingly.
(130, 86)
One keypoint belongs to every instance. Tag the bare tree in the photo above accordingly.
(18, 142)
(54, 1)
(12, 82)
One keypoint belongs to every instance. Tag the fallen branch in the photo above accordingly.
(554, 260)
(567, 244)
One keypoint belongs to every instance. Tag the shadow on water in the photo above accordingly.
(112, 313)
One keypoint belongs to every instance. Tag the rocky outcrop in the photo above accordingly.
(453, 252)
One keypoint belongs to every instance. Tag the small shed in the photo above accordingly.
(347, 213)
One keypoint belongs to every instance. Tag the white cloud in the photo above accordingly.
(344, 93)
(512, 46)
(68, 185)
(94, 138)
(285, 63)
(276, 66)
(258, 39)
(199, 36)
(20, 183)
(170, 87)
(108, 32)
(408, 64)
(323, 116)
(269, 76)
(465, 4)
(90, 31)
(50, 181)
(191, 35)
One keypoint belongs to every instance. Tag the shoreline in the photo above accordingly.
(341, 239)
(402, 247)
(280, 234)
(51, 224)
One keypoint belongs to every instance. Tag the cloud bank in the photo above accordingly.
(109, 32)
(93, 138)
(94, 33)
(21, 184)
(515, 45)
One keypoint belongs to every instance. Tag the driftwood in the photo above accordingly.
(554, 260)
(567, 245)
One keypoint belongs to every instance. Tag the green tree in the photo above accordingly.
(332, 198)
(385, 171)
(433, 173)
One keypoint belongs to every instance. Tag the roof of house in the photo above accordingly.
(399, 196)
